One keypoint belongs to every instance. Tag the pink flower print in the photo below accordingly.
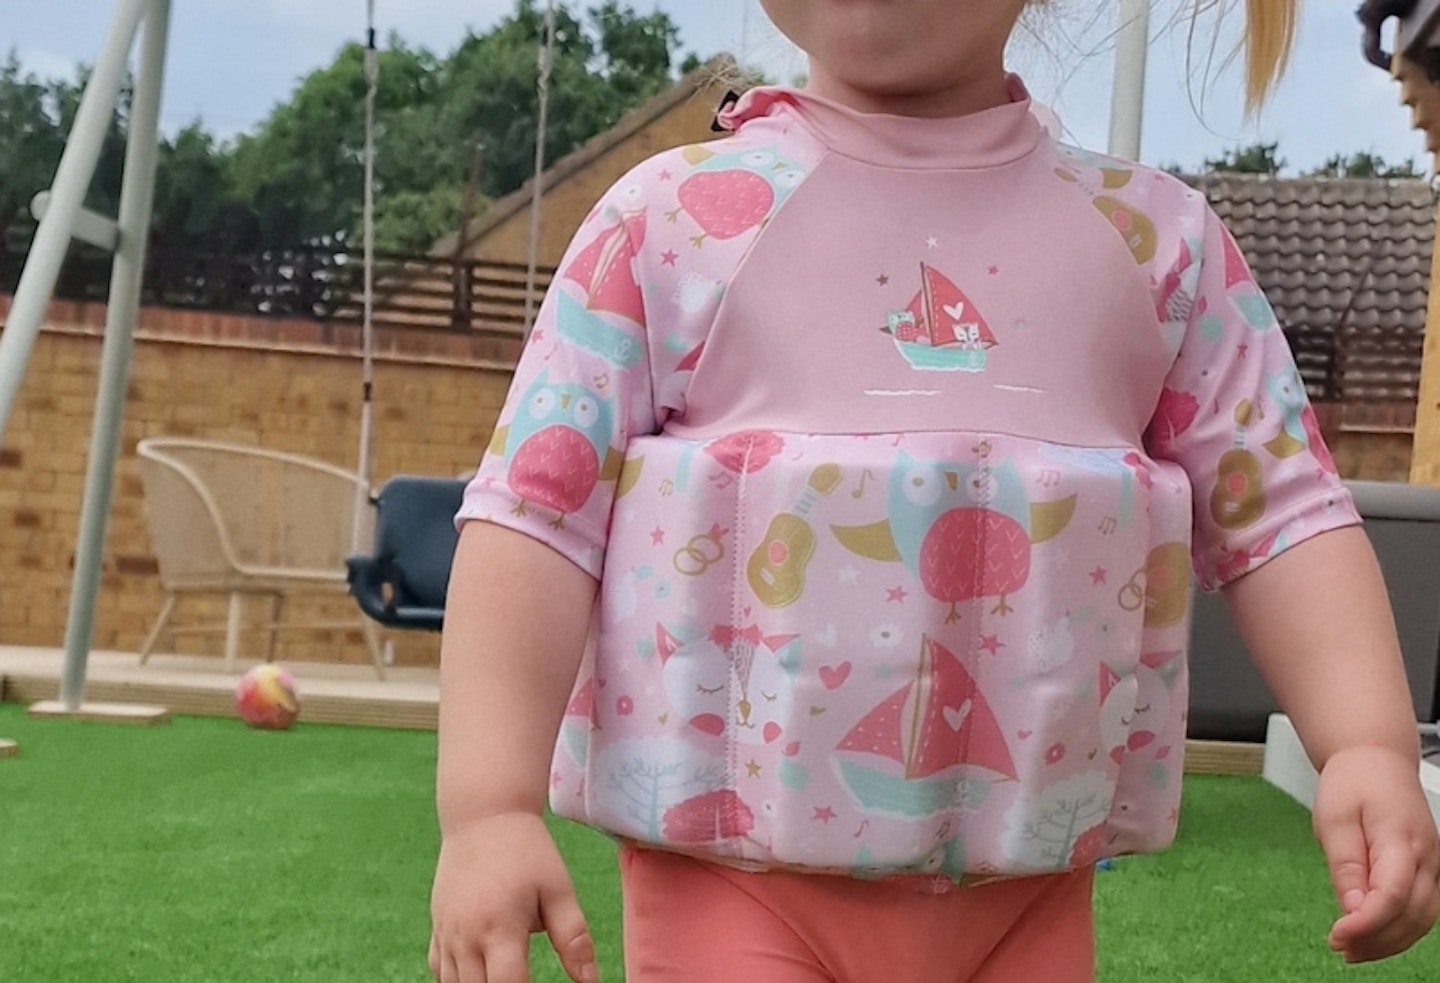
(624, 706)
(746, 452)
(1174, 414)
(1055, 753)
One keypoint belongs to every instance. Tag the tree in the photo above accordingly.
(411, 221)
(297, 178)
(29, 151)
(35, 118)
(602, 68)
(1256, 159)
(637, 50)
(1364, 165)
(301, 172)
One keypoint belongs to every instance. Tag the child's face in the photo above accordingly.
(923, 57)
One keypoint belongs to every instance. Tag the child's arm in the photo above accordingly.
(1317, 621)
(516, 617)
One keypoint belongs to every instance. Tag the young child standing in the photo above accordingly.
(872, 448)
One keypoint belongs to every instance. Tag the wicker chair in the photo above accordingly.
(249, 522)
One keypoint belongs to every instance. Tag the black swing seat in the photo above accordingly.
(403, 584)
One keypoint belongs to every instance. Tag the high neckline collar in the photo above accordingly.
(987, 138)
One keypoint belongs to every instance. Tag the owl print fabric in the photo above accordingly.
(894, 444)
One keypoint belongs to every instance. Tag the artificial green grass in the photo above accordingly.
(1242, 897)
(202, 851)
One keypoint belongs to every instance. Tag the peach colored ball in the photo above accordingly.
(266, 698)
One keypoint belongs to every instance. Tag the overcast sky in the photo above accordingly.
(232, 60)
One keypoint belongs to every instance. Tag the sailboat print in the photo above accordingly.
(905, 755)
(606, 270)
(941, 330)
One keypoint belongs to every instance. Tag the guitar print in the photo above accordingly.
(776, 570)
(1238, 498)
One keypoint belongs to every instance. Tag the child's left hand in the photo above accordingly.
(1380, 842)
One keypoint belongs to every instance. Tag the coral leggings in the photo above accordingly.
(687, 921)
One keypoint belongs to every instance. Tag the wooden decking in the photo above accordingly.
(341, 694)
(186, 684)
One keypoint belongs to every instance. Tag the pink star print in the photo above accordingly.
(824, 814)
(883, 279)
(555, 779)
(1098, 575)
(896, 594)
(670, 257)
(994, 271)
(665, 175)
(657, 536)
(991, 643)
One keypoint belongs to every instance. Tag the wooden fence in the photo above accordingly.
(1340, 362)
(412, 292)
(439, 294)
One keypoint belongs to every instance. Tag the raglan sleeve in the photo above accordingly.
(581, 391)
(1234, 414)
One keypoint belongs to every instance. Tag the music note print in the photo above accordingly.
(865, 476)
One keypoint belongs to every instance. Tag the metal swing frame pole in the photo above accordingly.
(1127, 109)
(66, 198)
(137, 197)
(64, 217)
(537, 197)
(367, 328)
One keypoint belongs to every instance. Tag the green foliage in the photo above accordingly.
(297, 178)
(302, 171)
(407, 221)
(1263, 158)
(1364, 165)
(35, 117)
(1258, 158)
(604, 65)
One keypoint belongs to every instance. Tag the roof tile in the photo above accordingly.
(1346, 264)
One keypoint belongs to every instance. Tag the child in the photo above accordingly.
(871, 447)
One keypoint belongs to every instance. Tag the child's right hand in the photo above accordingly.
(498, 880)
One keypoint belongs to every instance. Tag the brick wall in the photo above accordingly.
(285, 385)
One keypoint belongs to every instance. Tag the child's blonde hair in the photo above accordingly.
(1269, 35)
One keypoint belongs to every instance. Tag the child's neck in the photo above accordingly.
(984, 90)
